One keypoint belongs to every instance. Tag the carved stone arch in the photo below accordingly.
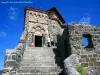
(33, 29)
(43, 31)
(38, 28)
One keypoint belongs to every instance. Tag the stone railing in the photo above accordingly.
(21, 46)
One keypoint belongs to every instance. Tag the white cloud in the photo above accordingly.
(85, 20)
(3, 34)
(8, 27)
(12, 13)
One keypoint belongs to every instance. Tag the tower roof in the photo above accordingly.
(58, 14)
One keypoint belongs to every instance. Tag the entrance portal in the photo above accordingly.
(38, 41)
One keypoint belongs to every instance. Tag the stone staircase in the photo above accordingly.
(38, 61)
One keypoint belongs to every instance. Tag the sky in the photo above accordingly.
(12, 17)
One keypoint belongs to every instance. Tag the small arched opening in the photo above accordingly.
(87, 41)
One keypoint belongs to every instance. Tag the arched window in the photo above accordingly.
(85, 41)
(13, 57)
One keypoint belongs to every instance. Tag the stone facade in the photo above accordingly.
(35, 55)
(32, 54)
(89, 56)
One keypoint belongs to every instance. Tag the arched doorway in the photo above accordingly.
(38, 41)
(38, 36)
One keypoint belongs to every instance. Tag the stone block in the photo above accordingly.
(80, 60)
(97, 63)
(82, 52)
(84, 64)
(70, 27)
(95, 55)
(98, 68)
(93, 59)
(87, 59)
(83, 56)
(34, 71)
(90, 64)
(90, 55)
(84, 60)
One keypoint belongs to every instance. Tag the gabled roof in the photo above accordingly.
(58, 14)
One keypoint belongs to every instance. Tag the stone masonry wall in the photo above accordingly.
(88, 57)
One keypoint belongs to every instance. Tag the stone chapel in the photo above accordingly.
(49, 47)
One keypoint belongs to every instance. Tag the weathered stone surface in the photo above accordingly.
(70, 64)
(92, 71)
(33, 59)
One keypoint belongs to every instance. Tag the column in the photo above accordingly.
(44, 40)
(33, 40)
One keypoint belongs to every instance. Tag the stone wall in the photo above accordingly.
(89, 56)
(55, 29)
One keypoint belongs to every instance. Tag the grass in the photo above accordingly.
(81, 69)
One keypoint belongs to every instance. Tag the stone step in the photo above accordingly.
(45, 63)
(31, 62)
(31, 67)
(39, 48)
(40, 51)
(39, 69)
(38, 74)
(38, 64)
(31, 52)
(55, 73)
(36, 54)
(39, 59)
